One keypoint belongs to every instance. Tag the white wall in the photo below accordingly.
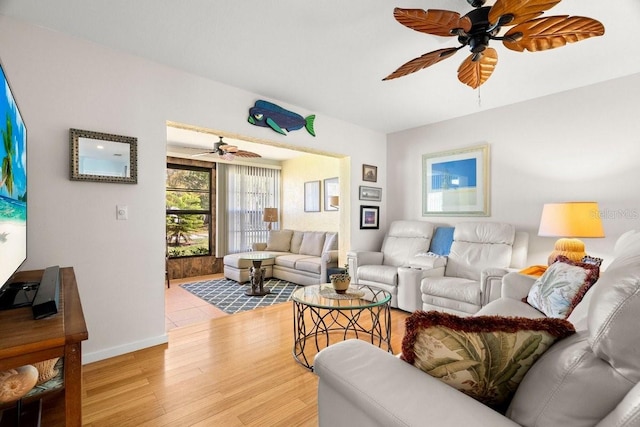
(60, 82)
(582, 144)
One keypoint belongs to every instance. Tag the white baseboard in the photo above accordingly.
(123, 349)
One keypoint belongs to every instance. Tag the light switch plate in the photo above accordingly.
(122, 212)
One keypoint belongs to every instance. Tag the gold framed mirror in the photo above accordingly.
(103, 157)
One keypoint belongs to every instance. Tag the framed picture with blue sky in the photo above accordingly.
(456, 182)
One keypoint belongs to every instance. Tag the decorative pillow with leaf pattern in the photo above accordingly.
(562, 287)
(485, 357)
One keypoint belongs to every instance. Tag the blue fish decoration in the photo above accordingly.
(266, 114)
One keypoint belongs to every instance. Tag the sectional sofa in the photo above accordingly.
(590, 378)
(300, 257)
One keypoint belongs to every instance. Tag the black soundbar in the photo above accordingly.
(47, 298)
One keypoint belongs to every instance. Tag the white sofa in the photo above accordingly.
(588, 379)
(403, 242)
(461, 283)
(300, 257)
(481, 254)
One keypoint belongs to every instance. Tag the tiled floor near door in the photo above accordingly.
(183, 308)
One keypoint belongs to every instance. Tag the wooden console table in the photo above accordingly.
(24, 340)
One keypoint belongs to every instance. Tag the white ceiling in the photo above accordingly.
(186, 143)
(329, 57)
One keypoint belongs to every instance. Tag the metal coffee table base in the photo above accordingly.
(370, 323)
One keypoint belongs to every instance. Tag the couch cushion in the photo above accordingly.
(309, 264)
(479, 245)
(562, 287)
(312, 243)
(442, 240)
(296, 241)
(626, 242)
(600, 364)
(485, 232)
(454, 288)
(404, 240)
(241, 260)
(613, 320)
(568, 386)
(289, 260)
(386, 274)
(510, 307)
(279, 240)
(485, 357)
(330, 242)
(627, 413)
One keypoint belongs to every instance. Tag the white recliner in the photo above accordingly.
(405, 244)
(481, 253)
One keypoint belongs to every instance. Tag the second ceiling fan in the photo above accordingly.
(483, 24)
(227, 151)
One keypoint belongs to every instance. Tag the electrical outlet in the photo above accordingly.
(122, 212)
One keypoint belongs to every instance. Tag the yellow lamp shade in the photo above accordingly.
(570, 220)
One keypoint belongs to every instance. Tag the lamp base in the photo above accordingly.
(570, 248)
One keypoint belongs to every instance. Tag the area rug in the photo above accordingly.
(228, 295)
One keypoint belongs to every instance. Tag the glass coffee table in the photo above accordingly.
(322, 317)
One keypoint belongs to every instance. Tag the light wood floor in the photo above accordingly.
(234, 370)
(183, 308)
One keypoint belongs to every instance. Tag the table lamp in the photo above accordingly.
(334, 201)
(570, 221)
(270, 215)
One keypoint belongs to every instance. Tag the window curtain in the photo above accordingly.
(249, 189)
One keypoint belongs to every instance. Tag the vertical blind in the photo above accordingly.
(249, 189)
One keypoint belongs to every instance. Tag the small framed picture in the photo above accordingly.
(371, 194)
(331, 194)
(369, 217)
(369, 173)
(312, 196)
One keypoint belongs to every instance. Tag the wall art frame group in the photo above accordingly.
(456, 182)
(369, 173)
(312, 196)
(371, 194)
(369, 217)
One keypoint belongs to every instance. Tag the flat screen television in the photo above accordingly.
(13, 197)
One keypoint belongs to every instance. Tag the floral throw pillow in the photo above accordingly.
(485, 357)
(562, 286)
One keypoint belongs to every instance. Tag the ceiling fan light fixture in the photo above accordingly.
(476, 3)
(484, 23)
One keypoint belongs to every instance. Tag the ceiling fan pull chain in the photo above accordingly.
(479, 98)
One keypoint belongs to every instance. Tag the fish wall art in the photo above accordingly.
(266, 114)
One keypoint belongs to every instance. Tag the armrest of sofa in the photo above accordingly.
(259, 246)
(409, 281)
(427, 262)
(356, 259)
(361, 384)
(366, 257)
(328, 258)
(491, 283)
(516, 285)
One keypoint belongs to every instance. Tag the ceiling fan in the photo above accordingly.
(227, 152)
(483, 24)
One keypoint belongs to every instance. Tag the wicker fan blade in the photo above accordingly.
(475, 73)
(432, 21)
(521, 10)
(551, 32)
(421, 62)
(242, 153)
